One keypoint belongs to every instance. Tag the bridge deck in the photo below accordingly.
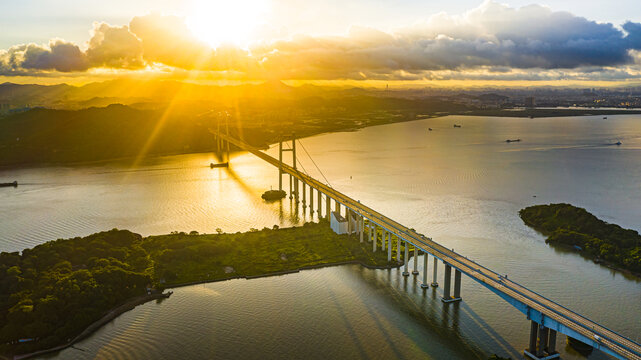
(608, 340)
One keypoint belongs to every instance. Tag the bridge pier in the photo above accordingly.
(374, 239)
(361, 227)
(434, 281)
(398, 249)
(304, 187)
(542, 343)
(389, 247)
(320, 204)
(290, 186)
(383, 238)
(369, 226)
(296, 189)
(425, 285)
(328, 205)
(311, 200)
(447, 283)
(416, 252)
(405, 259)
(457, 284)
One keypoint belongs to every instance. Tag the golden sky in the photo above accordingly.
(250, 40)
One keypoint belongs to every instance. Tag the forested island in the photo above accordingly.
(571, 226)
(51, 293)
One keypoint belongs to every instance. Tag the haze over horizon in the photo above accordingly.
(403, 41)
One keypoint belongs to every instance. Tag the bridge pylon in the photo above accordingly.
(292, 149)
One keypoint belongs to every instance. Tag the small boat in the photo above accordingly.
(429, 129)
(618, 143)
(14, 184)
(212, 165)
(273, 195)
(510, 141)
(457, 126)
(605, 118)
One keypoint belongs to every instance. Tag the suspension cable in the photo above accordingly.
(314, 162)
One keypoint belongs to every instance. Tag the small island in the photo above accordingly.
(571, 226)
(60, 291)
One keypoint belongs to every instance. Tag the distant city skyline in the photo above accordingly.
(564, 41)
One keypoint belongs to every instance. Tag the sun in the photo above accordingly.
(219, 22)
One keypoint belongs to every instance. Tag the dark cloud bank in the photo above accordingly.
(492, 39)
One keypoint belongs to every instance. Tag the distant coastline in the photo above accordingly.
(62, 154)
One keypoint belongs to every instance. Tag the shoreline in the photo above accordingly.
(132, 303)
(604, 263)
(93, 327)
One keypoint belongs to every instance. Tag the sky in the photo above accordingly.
(331, 40)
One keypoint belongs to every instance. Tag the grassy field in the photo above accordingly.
(183, 258)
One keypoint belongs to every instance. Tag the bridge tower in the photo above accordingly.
(292, 149)
(222, 145)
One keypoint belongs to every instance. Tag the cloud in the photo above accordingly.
(114, 47)
(491, 40)
(57, 56)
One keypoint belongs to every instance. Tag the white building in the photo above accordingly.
(338, 223)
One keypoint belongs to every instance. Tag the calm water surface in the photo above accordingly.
(462, 186)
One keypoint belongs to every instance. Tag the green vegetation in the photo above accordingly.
(181, 258)
(565, 224)
(54, 291)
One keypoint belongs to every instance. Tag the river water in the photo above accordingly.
(461, 186)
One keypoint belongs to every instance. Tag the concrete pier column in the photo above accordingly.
(398, 249)
(311, 200)
(361, 227)
(383, 239)
(457, 284)
(296, 189)
(534, 329)
(337, 206)
(425, 284)
(369, 225)
(543, 341)
(416, 252)
(320, 206)
(552, 342)
(446, 282)
(434, 281)
(290, 186)
(374, 239)
(389, 247)
(328, 205)
(303, 185)
(406, 257)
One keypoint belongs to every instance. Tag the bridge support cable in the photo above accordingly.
(314, 162)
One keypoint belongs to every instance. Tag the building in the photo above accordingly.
(530, 102)
(338, 223)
